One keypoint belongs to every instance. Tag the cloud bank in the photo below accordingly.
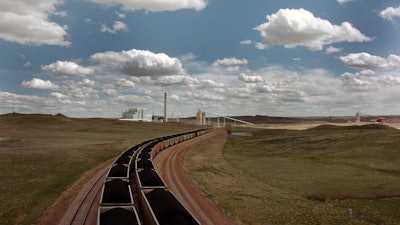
(390, 13)
(118, 26)
(155, 5)
(37, 83)
(27, 22)
(365, 60)
(299, 27)
(140, 63)
(66, 69)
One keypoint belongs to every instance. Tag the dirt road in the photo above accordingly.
(168, 164)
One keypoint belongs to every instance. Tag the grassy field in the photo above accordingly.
(41, 155)
(312, 176)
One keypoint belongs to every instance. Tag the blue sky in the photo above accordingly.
(96, 58)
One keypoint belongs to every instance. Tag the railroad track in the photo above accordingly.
(86, 206)
(134, 193)
(130, 191)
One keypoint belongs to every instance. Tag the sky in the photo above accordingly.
(97, 58)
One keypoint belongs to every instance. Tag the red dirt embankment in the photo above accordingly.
(169, 166)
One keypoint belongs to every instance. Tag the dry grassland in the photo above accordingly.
(41, 155)
(311, 176)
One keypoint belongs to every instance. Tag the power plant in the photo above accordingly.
(137, 113)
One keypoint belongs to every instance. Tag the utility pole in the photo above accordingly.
(13, 104)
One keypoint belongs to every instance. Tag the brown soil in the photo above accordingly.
(169, 166)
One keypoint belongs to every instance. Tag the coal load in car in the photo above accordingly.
(118, 170)
(149, 179)
(123, 160)
(116, 192)
(118, 215)
(148, 149)
(144, 164)
(167, 209)
(144, 155)
(130, 151)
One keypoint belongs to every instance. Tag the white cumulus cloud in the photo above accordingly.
(27, 22)
(125, 83)
(140, 63)
(331, 50)
(246, 42)
(156, 5)
(365, 60)
(344, 1)
(250, 78)
(367, 80)
(390, 13)
(299, 27)
(118, 26)
(37, 83)
(183, 80)
(110, 92)
(230, 62)
(58, 95)
(66, 69)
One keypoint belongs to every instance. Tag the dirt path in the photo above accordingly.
(169, 166)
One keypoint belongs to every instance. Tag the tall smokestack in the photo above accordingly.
(165, 107)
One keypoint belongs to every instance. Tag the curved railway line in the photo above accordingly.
(130, 191)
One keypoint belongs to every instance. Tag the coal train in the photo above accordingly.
(133, 193)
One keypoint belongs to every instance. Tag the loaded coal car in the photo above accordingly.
(144, 163)
(131, 151)
(171, 141)
(144, 155)
(121, 215)
(149, 178)
(156, 147)
(118, 171)
(166, 141)
(148, 148)
(123, 159)
(116, 192)
(162, 208)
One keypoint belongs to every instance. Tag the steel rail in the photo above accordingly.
(86, 195)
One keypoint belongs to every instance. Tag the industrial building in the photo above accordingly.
(133, 113)
(201, 117)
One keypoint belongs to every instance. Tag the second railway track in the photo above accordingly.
(129, 190)
(86, 203)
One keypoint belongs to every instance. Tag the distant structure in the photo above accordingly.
(358, 119)
(133, 113)
(201, 117)
(159, 119)
(165, 108)
(13, 104)
(382, 120)
(378, 120)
